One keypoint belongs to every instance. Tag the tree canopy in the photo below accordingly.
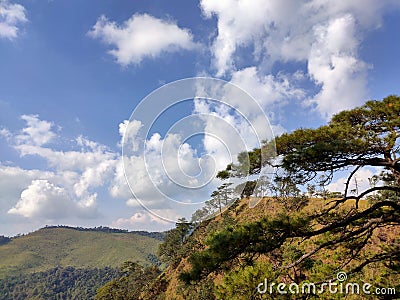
(367, 136)
(364, 136)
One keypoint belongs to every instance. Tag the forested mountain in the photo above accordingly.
(61, 262)
(62, 246)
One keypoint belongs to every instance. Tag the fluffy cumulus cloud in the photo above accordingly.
(42, 199)
(267, 89)
(168, 172)
(68, 187)
(229, 129)
(141, 36)
(14, 180)
(145, 220)
(37, 132)
(240, 23)
(35, 140)
(333, 64)
(326, 35)
(162, 174)
(320, 38)
(11, 16)
(235, 116)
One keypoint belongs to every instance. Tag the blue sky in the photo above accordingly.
(72, 72)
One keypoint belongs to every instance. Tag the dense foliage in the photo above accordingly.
(171, 251)
(134, 280)
(364, 136)
(57, 283)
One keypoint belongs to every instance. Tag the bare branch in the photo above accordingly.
(349, 178)
(349, 220)
(358, 197)
(351, 235)
(375, 258)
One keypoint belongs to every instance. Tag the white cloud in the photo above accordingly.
(13, 180)
(37, 132)
(280, 29)
(141, 36)
(266, 89)
(238, 120)
(275, 30)
(94, 176)
(91, 154)
(333, 64)
(5, 133)
(239, 23)
(132, 128)
(11, 15)
(42, 199)
(159, 170)
(163, 171)
(167, 172)
(278, 130)
(68, 189)
(322, 33)
(119, 187)
(144, 220)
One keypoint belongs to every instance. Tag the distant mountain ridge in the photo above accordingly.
(156, 235)
(77, 247)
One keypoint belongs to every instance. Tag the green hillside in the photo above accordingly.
(51, 247)
(292, 243)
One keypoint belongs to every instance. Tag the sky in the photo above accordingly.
(81, 80)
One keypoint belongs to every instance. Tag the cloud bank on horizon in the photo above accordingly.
(302, 54)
